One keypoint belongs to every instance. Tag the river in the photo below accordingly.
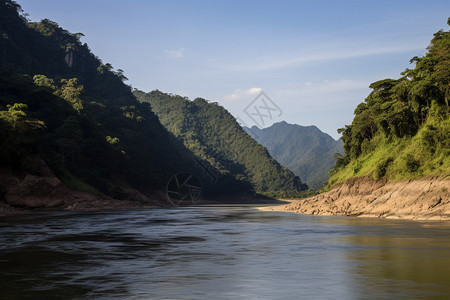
(220, 253)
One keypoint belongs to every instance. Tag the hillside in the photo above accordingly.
(397, 149)
(402, 129)
(61, 103)
(213, 134)
(306, 151)
(68, 120)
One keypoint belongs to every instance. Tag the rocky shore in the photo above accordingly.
(426, 198)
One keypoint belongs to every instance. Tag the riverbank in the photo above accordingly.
(26, 193)
(426, 198)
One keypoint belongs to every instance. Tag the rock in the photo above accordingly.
(35, 191)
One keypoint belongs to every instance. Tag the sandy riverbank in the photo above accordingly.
(419, 199)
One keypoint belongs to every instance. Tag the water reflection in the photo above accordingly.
(401, 259)
(220, 253)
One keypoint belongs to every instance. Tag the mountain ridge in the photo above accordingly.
(63, 109)
(195, 124)
(305, 150)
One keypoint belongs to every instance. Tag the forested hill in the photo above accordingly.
(402, 129)
(213, 134)
(305, 150)
(61, 104)
(59, 101)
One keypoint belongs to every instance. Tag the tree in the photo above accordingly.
(17, 118)
(72, 91)
(44, 81)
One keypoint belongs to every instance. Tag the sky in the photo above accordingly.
(314, 60)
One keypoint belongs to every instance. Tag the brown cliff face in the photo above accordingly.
(20, 194)
(427, 198)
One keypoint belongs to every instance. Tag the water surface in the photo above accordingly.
(220, 253)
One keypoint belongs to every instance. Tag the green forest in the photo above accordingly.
(213, 134)
(60, 103)
(402, 129)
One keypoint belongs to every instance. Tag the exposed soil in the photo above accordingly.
(426, 198)
(22, 194)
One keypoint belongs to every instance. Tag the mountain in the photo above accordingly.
(69, 120)
(305, 150)
(402, 129)
(213, 134)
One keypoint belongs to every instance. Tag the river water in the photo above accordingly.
(220, 253)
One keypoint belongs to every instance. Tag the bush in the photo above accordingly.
(382, 167)
(412, 165)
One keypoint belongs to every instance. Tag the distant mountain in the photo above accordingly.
(305, 150)
(213, 134)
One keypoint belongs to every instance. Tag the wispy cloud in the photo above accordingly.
(327, 92)
(238, 94)
(264, 64)
(178, 53)
(304, 88)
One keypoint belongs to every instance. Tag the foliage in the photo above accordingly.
(16, 117)
(402, 130)
(60, 102)
(56, 104)
(213, 134)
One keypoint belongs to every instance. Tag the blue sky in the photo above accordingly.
(314, 59)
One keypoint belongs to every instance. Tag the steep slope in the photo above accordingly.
(213, 134)
(64, 111)
(402, 129)
(397, 149)
(62, 103)
(307, 151)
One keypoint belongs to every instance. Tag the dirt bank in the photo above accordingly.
(427, 198)
(23, 193)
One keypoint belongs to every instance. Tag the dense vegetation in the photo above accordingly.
(213, 134)
(61, 103)
(307, 151)
(402, 129)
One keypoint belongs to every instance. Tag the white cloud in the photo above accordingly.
(253, 91)
(238, 94)
(178, 53)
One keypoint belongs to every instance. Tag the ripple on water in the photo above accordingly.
(204, 253)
